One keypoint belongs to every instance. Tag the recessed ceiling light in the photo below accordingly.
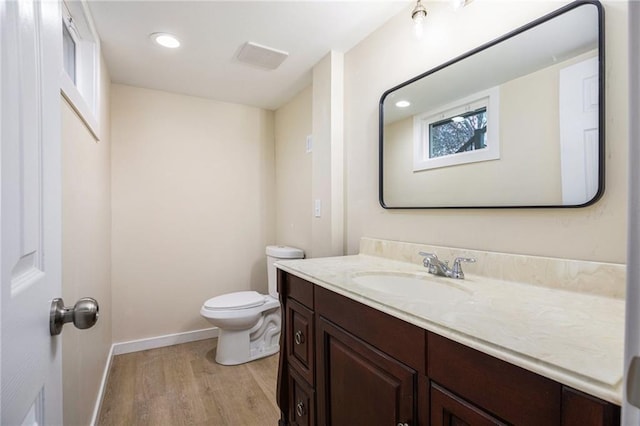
(403, 104)
(165, 40)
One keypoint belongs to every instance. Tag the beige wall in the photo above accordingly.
(293, 172)
(327, 184)
(392, 55)
(86, 254)
(193, 207)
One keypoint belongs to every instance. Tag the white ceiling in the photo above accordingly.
(212, 32)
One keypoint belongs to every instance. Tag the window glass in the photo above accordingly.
(460, 133)
(69, 52)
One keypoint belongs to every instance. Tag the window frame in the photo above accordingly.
(489, 99)
(84, 94)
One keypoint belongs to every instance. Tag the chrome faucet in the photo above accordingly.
(437, 267)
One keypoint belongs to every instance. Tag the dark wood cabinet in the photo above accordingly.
(343, 363)
(360, 385)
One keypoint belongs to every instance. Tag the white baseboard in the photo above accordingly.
(101, 389)
(161, 341)
(144, 344)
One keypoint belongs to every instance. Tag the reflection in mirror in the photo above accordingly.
(515, 123)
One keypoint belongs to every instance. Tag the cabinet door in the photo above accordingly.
(580, 409)
(449, 410)
(301, 401)
(300, 339)
(360, 385)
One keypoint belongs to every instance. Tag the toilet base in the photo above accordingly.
(241, 346)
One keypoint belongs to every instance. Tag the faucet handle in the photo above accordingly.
(457, 267)
(428, 258)
(429, 255)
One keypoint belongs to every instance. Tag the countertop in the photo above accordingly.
(574, 338)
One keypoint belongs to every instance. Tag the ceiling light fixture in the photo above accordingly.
(418, 15)
(165, 40)
(403, 104)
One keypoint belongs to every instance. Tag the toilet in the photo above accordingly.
(249, 322)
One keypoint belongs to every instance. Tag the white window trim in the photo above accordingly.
(84, 96)
(490, 99)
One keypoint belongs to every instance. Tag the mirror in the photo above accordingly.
(518, 122)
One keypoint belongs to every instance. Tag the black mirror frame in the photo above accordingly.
(532, 24)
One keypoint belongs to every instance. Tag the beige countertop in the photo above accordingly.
(575, 338)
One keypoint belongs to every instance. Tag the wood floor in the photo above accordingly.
(182, 385)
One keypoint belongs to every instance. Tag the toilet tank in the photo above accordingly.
(275, 253)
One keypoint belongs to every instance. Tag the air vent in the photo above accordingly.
(261, 56)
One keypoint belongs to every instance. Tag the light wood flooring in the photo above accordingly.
(183, 385)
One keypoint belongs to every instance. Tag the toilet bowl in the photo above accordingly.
(249, 322)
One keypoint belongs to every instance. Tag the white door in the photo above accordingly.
(578, 103)
(631, 400)
(30, 201)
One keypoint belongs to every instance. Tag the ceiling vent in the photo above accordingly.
(261, 56)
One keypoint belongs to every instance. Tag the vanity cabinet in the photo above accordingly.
(343, 363)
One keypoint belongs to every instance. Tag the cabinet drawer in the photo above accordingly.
(447, 409)
(403, 341)
(512, 393)
(295, 288)
(300, 339)
(302, 406)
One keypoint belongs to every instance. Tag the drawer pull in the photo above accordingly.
(403, 424)
(299, 337)
(300, 409)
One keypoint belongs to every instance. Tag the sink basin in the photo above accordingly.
(425, 287)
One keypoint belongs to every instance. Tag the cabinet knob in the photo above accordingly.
(300, 409)
(403, 424)
(299, 337)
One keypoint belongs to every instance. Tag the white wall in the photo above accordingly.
(86, 254)
(392, 55)
(193, 207)
(293, 172)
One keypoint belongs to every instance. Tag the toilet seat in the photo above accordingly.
(235, 301)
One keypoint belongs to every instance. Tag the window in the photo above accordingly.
(463, 132)
(81, 59)
(68, 50)
(460, 133)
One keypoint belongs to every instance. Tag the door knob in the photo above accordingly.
(84, 314)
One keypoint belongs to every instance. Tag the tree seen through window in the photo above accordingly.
(464, 132)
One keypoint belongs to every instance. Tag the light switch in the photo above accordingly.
(317, 208)
(309, 143)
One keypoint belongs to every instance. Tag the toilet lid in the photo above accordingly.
(237, 300)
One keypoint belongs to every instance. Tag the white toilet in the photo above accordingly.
(249, 322)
